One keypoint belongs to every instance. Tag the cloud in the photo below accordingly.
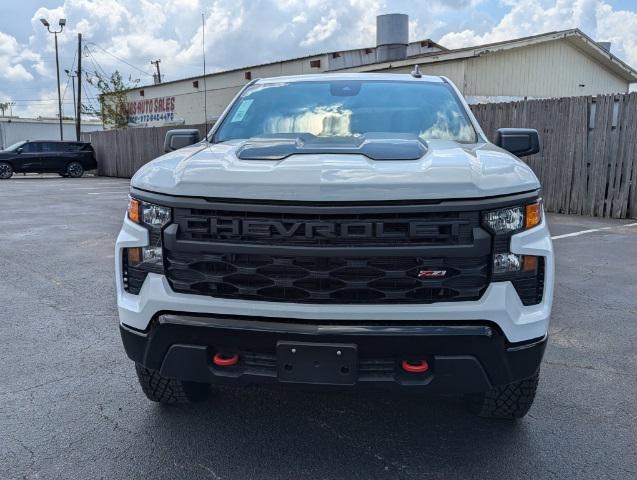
(11, 56)
(620, 28)
(596, 18)
(322, 30)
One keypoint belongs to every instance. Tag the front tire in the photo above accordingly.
(75, 170)
(506, 401)
(6, 171)
(165, 390)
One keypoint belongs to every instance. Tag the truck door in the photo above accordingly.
(52, 156)
(29, 158)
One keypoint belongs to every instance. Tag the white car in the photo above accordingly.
(343, 230)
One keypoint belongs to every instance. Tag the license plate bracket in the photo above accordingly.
(317, 363)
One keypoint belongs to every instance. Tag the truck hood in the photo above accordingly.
(447, 170)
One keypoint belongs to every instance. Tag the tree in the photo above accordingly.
(3, 107)
(112, 97)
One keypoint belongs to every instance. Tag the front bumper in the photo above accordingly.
(499, 304)
(463, 358)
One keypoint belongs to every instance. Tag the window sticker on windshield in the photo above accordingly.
(242, 110)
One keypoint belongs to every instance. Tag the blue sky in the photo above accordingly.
(121, 33)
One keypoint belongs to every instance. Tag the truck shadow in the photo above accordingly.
(282, 433)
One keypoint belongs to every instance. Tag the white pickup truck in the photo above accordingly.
(344, 230)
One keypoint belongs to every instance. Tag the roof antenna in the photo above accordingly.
(416, 72)
(205, 91)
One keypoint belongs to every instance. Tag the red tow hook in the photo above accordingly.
(225, 360)
(415, 366)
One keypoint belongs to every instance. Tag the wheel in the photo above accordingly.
(63, 174)
(169, 390)
(75, 170)
(6, 171)
(506, 401)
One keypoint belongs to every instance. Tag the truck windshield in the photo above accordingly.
(344, 108)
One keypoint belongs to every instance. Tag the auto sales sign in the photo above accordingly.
(152, 110)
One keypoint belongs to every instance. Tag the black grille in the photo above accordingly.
(306, 279)
(425, 228)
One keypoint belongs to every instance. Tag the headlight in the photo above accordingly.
(513, 219)
(525, 272)
(148, 214)
(138, 261)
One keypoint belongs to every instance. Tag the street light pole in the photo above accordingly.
(57, 64)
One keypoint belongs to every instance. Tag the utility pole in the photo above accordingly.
(62, 22)
(156, 63)
(78, 114)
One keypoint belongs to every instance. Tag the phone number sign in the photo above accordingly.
(156, 110)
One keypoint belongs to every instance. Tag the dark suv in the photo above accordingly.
(68, 159)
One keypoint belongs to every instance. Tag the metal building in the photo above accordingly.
(556, 64)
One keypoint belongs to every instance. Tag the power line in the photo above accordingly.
(42, 103)
(68, 77)
(98, 67)
(89, 97)
(145, 72)
(36, 100)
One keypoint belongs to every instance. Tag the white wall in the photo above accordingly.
(221, 88)
(550, 69)
(18, 130)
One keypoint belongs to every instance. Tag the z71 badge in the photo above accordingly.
(432, 273)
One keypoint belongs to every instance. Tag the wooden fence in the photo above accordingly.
(588, 161)
(120, 153)
(587, 165)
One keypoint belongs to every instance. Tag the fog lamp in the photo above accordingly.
(507, 262)
(513, 262)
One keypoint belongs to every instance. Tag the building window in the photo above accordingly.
(315, 63)
(248, 75)
(141, 93)
(195, 84)
(336, 54)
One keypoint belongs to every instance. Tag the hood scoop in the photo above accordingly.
(376, 146)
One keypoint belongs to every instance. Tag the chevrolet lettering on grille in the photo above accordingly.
(321, 229)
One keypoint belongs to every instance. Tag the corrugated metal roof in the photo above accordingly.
(349, 76)
(576, 36)
(428, 42)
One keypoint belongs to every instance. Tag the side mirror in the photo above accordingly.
(176, 139)
(519, 141)
(19, 150)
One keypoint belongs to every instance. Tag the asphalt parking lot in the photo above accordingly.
(70, 405)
